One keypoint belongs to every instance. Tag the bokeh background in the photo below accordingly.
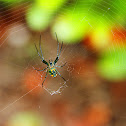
(94, 37)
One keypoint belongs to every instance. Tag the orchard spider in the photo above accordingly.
(51, 66)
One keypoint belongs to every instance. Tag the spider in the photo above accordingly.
(51, 65)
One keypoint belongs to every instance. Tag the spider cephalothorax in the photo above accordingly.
(51, 65)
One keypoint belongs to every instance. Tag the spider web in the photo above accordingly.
(16, 61)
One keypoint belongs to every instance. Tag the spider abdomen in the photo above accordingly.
(52, 72)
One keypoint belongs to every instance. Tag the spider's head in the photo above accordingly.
(50, 63)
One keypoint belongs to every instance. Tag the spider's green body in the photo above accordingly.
(52, 72)
(51, 69)
(51, 66)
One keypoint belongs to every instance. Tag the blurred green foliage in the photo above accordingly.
(37, 18)
(112, 64)
(26, 119)
(75, 19)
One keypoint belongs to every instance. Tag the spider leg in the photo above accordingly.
(58, 53)
(58, 44)
(41, 57)
(62, 65)
(61, 76)
(40, 70)
(40, 47)
(61, 49)
(44, 79)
